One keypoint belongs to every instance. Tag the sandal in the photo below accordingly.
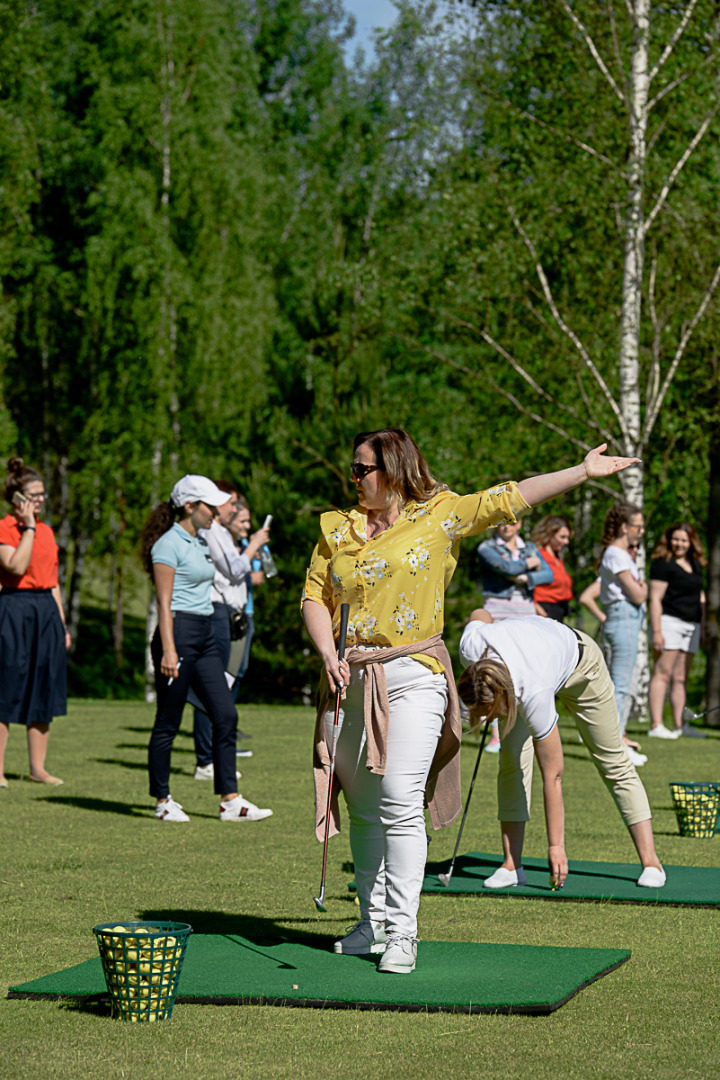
(50, 781)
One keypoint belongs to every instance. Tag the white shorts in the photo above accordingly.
(679, 634)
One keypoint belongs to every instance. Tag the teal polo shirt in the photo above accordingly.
(189, 557)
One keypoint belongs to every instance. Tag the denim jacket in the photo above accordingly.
(498, 567)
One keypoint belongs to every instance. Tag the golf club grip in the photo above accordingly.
(344, 616)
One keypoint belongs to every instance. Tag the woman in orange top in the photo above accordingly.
(552, 536)
(33, 638)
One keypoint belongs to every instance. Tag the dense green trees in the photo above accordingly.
(224, 248)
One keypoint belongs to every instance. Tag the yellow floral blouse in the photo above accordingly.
(395, 583)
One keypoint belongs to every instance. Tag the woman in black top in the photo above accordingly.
(677, 616)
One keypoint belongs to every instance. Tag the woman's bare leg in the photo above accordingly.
(513, 837)
(678, 688)
(642, 838)
(4, 732)
(661, 676)
(38, 735)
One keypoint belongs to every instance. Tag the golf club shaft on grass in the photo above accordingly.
(344, 615)
(445, 878)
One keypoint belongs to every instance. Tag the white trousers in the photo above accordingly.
(387, 821)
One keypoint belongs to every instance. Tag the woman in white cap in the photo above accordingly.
(183, 648)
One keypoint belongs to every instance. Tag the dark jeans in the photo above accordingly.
(203, 669)
(246, 655)
(202, 728)
(558, 611)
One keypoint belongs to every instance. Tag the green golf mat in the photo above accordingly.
(698, 885)
(450, 977)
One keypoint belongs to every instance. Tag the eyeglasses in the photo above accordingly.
(37, 497)
(358, 471)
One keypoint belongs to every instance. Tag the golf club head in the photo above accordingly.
(688, 715)
(319, 904)
(444, 879)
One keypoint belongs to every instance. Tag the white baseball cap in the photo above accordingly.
(198, 489)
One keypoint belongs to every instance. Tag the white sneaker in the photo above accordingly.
(243, 753)
(362, 939)
(691, 731)
(241, 810)
(637, 759)
(207, 772)
(170, 811)
(400, 955)
(652, 878)
(493, 747)
(503, 878)
(661, 732)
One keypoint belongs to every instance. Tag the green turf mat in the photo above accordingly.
(451, 976)
(698, 885)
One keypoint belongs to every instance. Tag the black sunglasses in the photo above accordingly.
(359, 471)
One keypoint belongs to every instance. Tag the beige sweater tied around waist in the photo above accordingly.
(442, 791)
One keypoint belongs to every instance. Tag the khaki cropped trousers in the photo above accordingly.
(589, 697)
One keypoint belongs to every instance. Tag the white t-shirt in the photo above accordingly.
(614, 561)
(540, 655)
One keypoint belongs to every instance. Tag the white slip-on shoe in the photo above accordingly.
(503, 878)
(652, 878)
(661, 732)
(362, 939)
(400, 955)
(637, 759)
(170, 811)
(240, 809)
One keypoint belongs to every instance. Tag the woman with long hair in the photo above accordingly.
(184, 650)
(516, 669)
(33, 636)
(623, 594)
(677, 621)
(551, 536)
(391, 559)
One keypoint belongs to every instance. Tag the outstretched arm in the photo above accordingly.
(597, 465)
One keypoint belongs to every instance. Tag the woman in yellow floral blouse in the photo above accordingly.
(391, 560)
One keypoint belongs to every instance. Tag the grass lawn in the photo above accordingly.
(91, 852)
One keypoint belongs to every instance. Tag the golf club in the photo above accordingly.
(688, 715)
(344, 614)
(445, 878)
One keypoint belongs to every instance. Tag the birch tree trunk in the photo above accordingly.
(629, 361)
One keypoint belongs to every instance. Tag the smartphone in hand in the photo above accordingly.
(268, 522)
(19, 500)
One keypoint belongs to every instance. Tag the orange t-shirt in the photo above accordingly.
(42, 571)
(560, 588)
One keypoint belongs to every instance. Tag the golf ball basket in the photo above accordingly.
(696, 807)
(142, 962)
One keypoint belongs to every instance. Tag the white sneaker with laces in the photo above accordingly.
(240, 809)
(362, 939)
(691, 731)
(400, 955)
(661, 732)
(170, 811)
(207, 772)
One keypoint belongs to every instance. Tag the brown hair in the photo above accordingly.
(546, 528)
(227, 486)
(664, 550)
(160, 520)
(407, 473)
(18, 476)
(618, 515)
(484, 687)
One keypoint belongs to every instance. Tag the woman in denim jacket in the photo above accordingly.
(511, 568)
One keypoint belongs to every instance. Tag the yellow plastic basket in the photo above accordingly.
(142, 962)
(696, 807)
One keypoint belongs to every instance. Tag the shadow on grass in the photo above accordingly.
(261, 932)
(106, 806)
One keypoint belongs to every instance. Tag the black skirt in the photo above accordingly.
(33, 666)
